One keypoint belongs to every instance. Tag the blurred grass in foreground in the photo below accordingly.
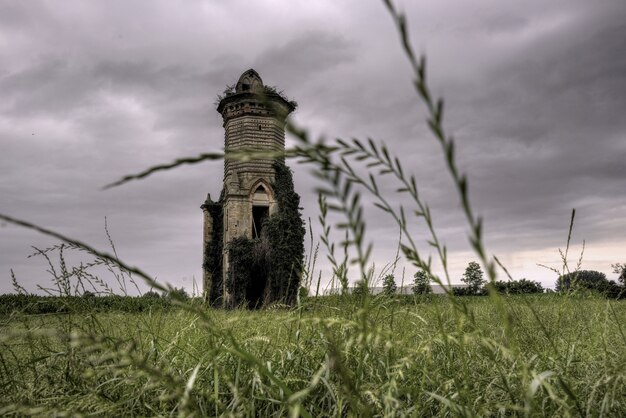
(544, 355)
(408, 356)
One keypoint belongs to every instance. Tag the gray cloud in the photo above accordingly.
(534, 92)
(305, 57)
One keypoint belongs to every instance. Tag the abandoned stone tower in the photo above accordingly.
(253, 119)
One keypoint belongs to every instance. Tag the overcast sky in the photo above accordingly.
(535, 96)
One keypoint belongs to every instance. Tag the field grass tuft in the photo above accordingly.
(400, 356)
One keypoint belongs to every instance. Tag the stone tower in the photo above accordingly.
(254, 119)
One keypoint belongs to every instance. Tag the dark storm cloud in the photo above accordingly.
(543, 133)
(535, 95)
(55, 87)
(305, 57)
(579, 85)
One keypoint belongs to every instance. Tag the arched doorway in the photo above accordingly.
(255, 290)
(260, 209)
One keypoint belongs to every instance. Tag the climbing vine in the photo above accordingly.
(212, 262)
(241, 271)
(270, 266)
(285, 231)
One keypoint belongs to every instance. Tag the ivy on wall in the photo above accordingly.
(285, 234)
(242, 266)
(213, 253)
(268, 269)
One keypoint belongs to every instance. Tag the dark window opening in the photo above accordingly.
(245, 87)
(259, 127)
(255, 289)
(259, 213)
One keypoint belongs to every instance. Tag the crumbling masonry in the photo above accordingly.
(254, 118)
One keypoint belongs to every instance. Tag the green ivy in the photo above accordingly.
(242, 268)
(213, 253)
(285, 233)
(273, 261)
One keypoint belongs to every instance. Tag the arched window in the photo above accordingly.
(260, 196)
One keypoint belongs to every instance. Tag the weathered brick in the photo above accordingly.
(254, 119)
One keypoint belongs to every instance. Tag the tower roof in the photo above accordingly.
(250, 81)
(252, 97)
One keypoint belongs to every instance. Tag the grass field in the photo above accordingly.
(544, 355)
(541, 355)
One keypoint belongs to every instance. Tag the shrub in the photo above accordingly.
(35, 304)
(589, 280)
(466, 291)
(421, 284)
(583, 279)
(360, 288)
(178, 293)
(613, 290)
(151, 294)
(303, 292)
(518, 287)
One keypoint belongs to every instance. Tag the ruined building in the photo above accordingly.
(254, 119)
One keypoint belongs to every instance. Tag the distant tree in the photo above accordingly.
(620, 268)
(389, 285)
(589, 280)
(473, 277)
(360, 288)
(583, 279)
(151, 294)
(87, 294)
(303, 292)
(178, 293)
(518, 287)
(421, 284)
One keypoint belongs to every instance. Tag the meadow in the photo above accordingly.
(345, 355)
(557, 355)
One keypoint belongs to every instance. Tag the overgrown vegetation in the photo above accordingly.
(38, 305)
(285, 232)
(212, 261)
(518, 287)
(247, 265)
(271, 266)
(268, 90)
(404, 357)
